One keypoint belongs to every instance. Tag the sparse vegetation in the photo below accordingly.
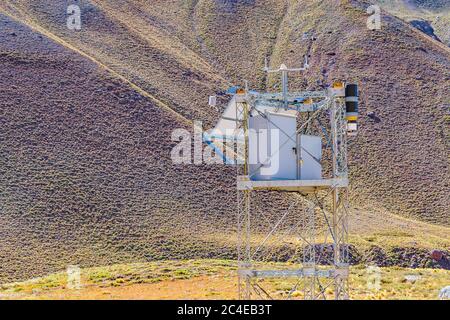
(435, 13)
(215, 279)
(86, 122)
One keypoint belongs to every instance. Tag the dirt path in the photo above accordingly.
(203, 287)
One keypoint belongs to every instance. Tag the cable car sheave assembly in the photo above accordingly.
(291, 143)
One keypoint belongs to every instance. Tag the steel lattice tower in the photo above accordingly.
(311, 235)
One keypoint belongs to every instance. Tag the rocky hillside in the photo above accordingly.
(87, 117)
(429, 16)
(86, 175)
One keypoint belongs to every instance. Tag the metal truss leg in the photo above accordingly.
(309, 251)
(341, 253)
(244, 258)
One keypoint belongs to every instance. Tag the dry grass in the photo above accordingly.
(214, 279)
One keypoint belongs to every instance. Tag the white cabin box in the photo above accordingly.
(277, 152)
(272, 146)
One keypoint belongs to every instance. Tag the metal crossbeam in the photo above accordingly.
(286, 273)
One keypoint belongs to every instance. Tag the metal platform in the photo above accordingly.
(305, 186)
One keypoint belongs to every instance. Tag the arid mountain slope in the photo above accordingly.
(86, 175)
(434, 14)
(400, 158)
(85, 170)
(231, 39)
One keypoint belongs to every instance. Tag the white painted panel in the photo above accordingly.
(226, 127)
(287, 128)
(310, 157)
(272, 143)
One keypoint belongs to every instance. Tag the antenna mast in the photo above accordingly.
(284, 70)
